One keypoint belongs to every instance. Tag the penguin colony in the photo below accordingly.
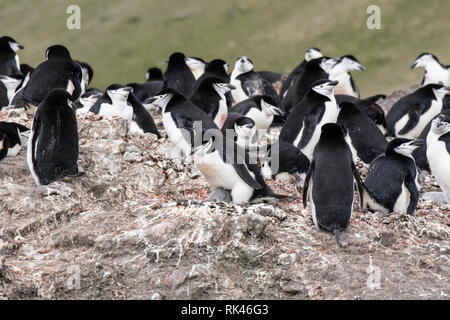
(219, 121)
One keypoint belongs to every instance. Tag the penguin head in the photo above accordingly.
(222, 87)
(312, 53)
(438, 90)
(8, 43)
(403, 146)
(57, 52)
(177, 58)
(346, 64)
(59, 97)
(245, 127)
(118, 92)
(326, 63)
(324, 87)
(205, 148)
(163, 98)
(154, 74)
(11, 82)
(243, 65)
(423, 60)
(216, 65)
(334, 130)
(196, 65)
(269, 106)
(441, 124)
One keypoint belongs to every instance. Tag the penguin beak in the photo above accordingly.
(332, 84)
(360, 67)
(414, 65)
(417, 143)
(128, 89)
(231, 87)
(20, 46)
(278, 111)
(150, 100)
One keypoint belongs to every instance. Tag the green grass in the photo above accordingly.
(121, 39)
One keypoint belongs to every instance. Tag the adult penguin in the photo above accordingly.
(208, 93)
(329, 184)
(10, 138)
(52, 152)
(409, 115)
(9, 60)
(303, 126)
(315, 70)
(58, 71)
(114, 102)
(226, 165)
(180, 119)
(435, 72)
(364, 138)
(392, 183)
(178, 75)
(438, 152)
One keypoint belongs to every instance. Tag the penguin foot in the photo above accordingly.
(220, 194)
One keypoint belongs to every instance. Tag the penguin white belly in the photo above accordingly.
(402, 202)
(175, 134)
(436, 74)
(133, 127)
(122, 110)
(373, 204)
(30, 151)
(424, 119)
(284, 176)
(439, 160)
(311, 201)
(238, 94)
(14, 151)
(330, 116)
(222, 113)
(221, 174)
(70, 88)
(348, 139)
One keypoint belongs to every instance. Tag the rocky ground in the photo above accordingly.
(137, 226)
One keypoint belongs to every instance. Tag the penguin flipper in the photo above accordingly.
(414, 193)
(4, 150)
(306, 184)
(309, 126)
(243, 172)
(413, 119)
(358, 184)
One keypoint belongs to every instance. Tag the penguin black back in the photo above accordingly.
(363, 134)
(59, 71)
(331, 173)
(178, 75)
(53, 143)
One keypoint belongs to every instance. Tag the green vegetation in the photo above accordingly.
(122, 38)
